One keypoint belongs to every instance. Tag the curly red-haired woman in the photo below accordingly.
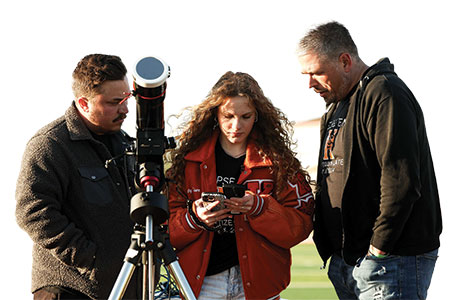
(237, 136)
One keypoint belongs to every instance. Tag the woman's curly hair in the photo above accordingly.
(271, 133)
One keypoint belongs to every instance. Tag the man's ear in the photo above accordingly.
(346, 61)
(82, 103)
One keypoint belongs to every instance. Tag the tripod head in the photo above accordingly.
(149, 83)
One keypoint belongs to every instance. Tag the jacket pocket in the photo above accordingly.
(96, 185)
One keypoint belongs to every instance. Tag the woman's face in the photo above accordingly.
(236, 117)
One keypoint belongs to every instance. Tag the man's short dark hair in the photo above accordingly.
(328, 41)
(93, 70)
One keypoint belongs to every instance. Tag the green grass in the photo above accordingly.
(308, 281)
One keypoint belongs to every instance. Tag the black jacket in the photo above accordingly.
(75, 209)
(389, 197)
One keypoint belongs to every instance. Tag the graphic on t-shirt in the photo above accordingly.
(221, 180)
(329, 160)
(329, 144)
(227, 224)
(228, 170)
(332, 162)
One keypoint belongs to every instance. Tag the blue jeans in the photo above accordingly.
(225, 285)
(392, 277)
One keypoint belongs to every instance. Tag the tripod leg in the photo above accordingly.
(148, 275)
(145, 278)
(122, 281)
(150, 271)
(183, 284)
(131, 260)
(171, 261)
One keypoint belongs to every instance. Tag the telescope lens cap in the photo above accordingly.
(150, 72)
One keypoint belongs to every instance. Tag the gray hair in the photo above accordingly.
(328, 41)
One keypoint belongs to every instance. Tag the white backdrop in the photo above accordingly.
(41, 42)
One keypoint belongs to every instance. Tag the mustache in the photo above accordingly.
(119, 117)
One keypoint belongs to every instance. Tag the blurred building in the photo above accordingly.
(306, 133)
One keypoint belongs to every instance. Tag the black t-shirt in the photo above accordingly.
(107, 140)
(330, 175)
(224, 250)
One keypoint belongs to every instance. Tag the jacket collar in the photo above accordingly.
(381, 67)
(75, 125)
(78, 129)
(206, 151)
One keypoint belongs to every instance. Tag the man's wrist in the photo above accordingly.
(377, 252)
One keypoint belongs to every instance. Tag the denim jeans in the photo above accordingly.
(226, 285)
(392, 277)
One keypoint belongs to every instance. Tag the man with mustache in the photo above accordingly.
(74, 206)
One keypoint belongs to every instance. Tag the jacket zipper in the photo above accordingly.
(343, 234)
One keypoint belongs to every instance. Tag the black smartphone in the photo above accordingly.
(211, 197)
(233, 190)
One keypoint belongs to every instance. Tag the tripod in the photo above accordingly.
(148, 241)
